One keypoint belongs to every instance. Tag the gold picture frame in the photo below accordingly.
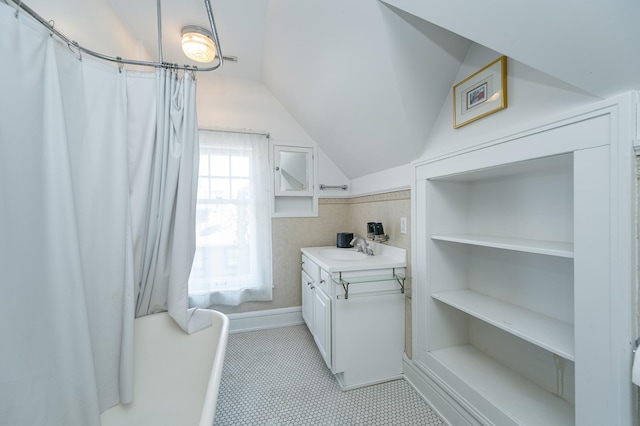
(480, 94)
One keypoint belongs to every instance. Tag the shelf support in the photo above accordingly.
(400, 280)
(345, 286)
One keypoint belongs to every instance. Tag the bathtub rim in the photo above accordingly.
(208, 414)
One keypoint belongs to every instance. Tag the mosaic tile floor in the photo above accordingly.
(277, 377)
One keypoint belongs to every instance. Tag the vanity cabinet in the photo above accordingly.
(519, 317)
(307, 300)
(316, 307)
(356, 316)
(322, 324)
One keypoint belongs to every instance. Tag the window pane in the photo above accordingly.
(219, 165)
(222, 235)
(220, 188)
(240, 189)
(232, 244)
(204, 165)
(240, 166)
(203, 189)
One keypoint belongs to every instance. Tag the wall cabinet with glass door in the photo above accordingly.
(294, 181)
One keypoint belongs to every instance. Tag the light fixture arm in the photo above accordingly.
(160, 64)
(214, 33)
(159, 29)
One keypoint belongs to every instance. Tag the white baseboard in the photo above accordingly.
(443, 404)
(260, 320)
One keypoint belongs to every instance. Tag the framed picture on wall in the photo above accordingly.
(480, 94)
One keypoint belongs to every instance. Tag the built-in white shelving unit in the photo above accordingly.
(551, 334)
(550, 248)
(510, 390)
(513, 286)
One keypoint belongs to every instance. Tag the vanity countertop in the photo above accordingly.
(333, 259)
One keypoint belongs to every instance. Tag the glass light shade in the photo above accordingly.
(197, 45)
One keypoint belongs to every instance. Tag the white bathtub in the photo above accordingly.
(176, 376)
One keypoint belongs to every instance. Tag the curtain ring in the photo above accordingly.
(52, 25)
(77, 47)
(120, 64)
(18, 8)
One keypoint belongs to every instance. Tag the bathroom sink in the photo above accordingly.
(342, 254)
(333, 259)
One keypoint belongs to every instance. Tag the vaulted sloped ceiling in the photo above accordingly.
(592, 45)
(364, 80)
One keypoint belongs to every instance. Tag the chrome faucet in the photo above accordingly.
(362, 245)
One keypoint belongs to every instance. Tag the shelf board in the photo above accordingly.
(514, 395)
(549, 333)
(549, 248)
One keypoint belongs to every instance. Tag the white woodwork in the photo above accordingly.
(549, 333)
(523, 272)
(322, 324)
(550, 248)
(524, 402)
(369, 338)
(307, 300)
(325, 281)
(360, 337)
(293, 171)
(316, 306)
(593, 299)
(293, 203)
(265, 319)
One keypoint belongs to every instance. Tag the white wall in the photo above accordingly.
(239, 104)
(532, 97)
(393, 179)
(93, 24)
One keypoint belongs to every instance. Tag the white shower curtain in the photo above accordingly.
(67, 222)
(67, 287)
(163, 193)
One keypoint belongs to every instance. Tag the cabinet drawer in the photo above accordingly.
(325, 281)
(311, 269)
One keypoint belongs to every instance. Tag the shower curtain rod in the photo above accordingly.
(120, 61)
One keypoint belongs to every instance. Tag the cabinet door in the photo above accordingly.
(322, 323)
(307, 300)
(293, 171)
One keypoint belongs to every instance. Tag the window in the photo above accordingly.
(232, 263)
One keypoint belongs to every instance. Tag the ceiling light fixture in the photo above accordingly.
(197, 44)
